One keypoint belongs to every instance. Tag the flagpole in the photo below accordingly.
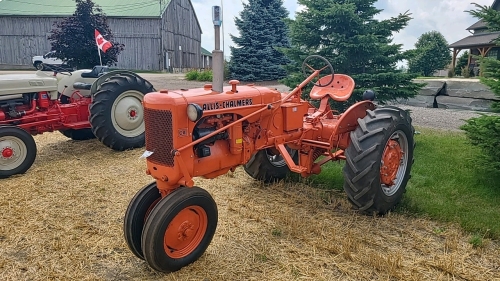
(99, 52)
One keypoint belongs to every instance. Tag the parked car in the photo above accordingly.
(39, 62)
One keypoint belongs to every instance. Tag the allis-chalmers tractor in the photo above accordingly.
(204, 133)
(82, 104)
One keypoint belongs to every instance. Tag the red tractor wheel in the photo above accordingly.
(138, 210)
(269, 166)
(379, 160)
(179, 229)
(17, 151)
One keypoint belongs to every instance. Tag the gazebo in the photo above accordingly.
(480, 43)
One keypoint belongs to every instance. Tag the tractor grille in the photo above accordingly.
(159, 137)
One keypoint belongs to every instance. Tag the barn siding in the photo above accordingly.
(180, 28)
(21, 38)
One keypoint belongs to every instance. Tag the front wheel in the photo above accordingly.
(135, 217)
(179, 229)
(17, 151)
(379, 160)
(116, 112)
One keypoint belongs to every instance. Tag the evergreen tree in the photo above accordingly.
(461, 63)
(431, 54)
(73, 38)
(262, 30)
(347, 34)
(484, 131)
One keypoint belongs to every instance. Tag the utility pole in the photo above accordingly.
(217, 54)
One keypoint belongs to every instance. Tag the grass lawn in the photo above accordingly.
(449, 183)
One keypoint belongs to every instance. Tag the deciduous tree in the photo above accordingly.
(73, 39)
(431, 54)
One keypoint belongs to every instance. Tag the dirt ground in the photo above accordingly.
(62, 220)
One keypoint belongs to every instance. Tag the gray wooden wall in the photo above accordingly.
(180, 28)
(21, 38)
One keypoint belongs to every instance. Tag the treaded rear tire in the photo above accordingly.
(101, 107)
(362, 176)
(259, 167)
(77, 135)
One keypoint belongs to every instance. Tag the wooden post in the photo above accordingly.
(454, 59)
(469, 59)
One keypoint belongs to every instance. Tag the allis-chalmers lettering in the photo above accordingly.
(227, 104)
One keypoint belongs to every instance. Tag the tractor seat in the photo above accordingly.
(96, 72)
(339, 90)
(82, 86)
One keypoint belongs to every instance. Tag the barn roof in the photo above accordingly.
(112, 8)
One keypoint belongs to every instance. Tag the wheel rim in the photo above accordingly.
(127, 114)
(277, 159)
(394, 163)
(13, 152)
(39, 66)
(185, 232)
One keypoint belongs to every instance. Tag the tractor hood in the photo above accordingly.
(11, 84)
(208, 100)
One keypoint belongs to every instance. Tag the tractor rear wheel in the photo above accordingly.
(116, 112)
(135, 217)
(179, 229)
(17, 151)
(269, 166)
(81, 134)
(379, 159)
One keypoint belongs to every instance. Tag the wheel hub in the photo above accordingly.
(185, 232)
(390, 162)
(127, 114)
(13, 151)
(132, 113)
(7, 152)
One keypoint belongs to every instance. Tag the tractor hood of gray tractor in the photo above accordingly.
(15, 84)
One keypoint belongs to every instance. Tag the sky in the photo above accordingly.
(446, 16)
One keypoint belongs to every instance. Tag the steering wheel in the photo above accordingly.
(328, 65)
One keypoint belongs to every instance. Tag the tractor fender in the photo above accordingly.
(349, 119)
(104, 77)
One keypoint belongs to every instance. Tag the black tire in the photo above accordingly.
(39, 65)
(102, 115)
(139, 207)
(261, 168)
(363, 181)
(13, 139)
(78, 135)
(183, 199)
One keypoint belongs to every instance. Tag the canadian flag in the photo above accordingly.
(102, 43)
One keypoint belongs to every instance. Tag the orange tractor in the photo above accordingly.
(204, 133)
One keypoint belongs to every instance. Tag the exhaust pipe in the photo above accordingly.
(217, 54)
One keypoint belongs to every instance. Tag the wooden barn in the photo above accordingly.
(157, 34)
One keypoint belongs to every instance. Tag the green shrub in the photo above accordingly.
(205, 75)
(484, 132)
(465, 72)
(192, 75)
